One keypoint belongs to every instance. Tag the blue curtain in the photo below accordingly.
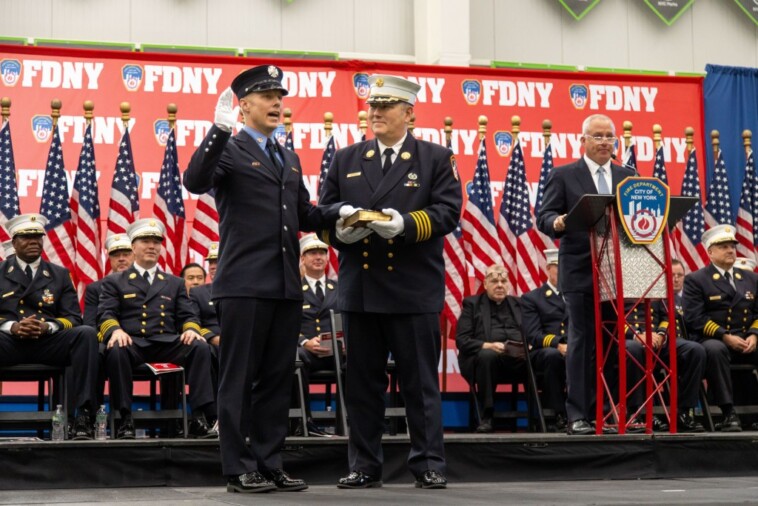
(731, 106)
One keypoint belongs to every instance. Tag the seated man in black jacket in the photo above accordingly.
(489, 340)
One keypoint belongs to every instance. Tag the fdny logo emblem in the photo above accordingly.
(472, 90)
(280, 135)
(42, 128)
(643, 203)
(360, 83)
(503, 143)
(11, 71)
(161, 129)
(132, 77)
(578, 94)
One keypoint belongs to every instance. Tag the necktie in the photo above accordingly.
(146, 275)
(387, 160)
(28, 272)
(729, 278)
(271, 150)
(602, 184)
(319, 291)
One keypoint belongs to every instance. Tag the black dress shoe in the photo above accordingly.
(731, 423)
(358, 479)
(199, 428)
(315, 431)
(485, 426)
(431, 479)
(82, 429)
(579, 428)
(283, 481)
(560, 422)
(660, 425)
(126, 428)
(249, 483)
(686, 423)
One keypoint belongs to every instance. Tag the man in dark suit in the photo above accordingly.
(262, 203)
(490, 342)
(40, 319)
(120, 256)
(545, 322)
(592, 174)
(145, 316)
(721, 311)
(392, 280)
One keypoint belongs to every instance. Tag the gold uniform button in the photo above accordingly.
(365, 267)
(144, 306)
(162, 324)
(144, 315)
(21, 311)
(142, 330)
(365, 254)
(21, 301)
(163, 307)
(163, 314)
(144, 323)
(391, 241)
(40, 304)
(318, 329)
(318, 320)
(390, 268)
(390, 255)
(161, 332)
(365, 241)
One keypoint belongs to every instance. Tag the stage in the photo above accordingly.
(497, 458)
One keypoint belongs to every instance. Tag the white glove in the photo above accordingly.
(389, 229)
(226, 114)
(350, 235)
(347, 210)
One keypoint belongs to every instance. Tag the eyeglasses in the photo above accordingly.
(601, 139)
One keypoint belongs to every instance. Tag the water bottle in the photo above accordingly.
(101, 422)
(59, 424)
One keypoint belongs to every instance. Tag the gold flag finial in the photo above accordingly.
(515, 127)
(5, 109)
(547, 131)
(125, 110)
(412, 124)
(328, 119)
(171, 109)
(287, 120)
(715, 143)
(482, 126)
(689, 135)
(448, 129)
(363, 122)
(55, 105)
(657, 131)
(747, 141)
(627, 126)
(89, 107)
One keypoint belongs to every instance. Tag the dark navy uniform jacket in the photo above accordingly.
(91, 300)
(316, 319)
(564, 187)
(713, 308)
(405, 274)
(259, 246)
(159, 311)
(544, 317)
(202, 302)
(50, 295)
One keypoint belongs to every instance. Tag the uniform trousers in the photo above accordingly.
(257, 365)
(76, 347)
(717, 372)
(195, 358)
(580, 356)
(311, 363)
(414, 341)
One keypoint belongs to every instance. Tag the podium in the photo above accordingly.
(624, 272)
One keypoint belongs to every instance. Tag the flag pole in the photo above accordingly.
(443, 321)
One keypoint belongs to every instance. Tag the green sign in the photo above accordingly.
(750, 7)
(579, 8)
(669, 10)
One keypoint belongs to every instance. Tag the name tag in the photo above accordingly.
(306, 306)
(130, 295)
(714, 297)
(354, 174)
(8, 294)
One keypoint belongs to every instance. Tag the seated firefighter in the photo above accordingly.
(40, 319)
(490, 341)
(545, 323)
(721, 312)
(319, 296)
(145, 316)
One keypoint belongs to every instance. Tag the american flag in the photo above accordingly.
(333, 265)
(169, 209)
(456, 274)
(85, 215)
(544, 241)
(480, 239)
(718, 207)
(746, 239)
(659, 171)
(205, 226)
(630, 157)
(689, 231)
(124, 204)
(289, 142)
(8, 189)
(515, 221)
(60, 241)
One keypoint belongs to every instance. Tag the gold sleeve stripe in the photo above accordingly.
(107, 325)
(100, 337)
(754, 325)
(204, 332)
(191, 326)
(547, 340)
(710, 328)
(65, 322)
(423, 225)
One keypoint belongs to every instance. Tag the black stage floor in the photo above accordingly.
(471, 458)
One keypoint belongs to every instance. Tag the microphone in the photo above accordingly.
(616, 159)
